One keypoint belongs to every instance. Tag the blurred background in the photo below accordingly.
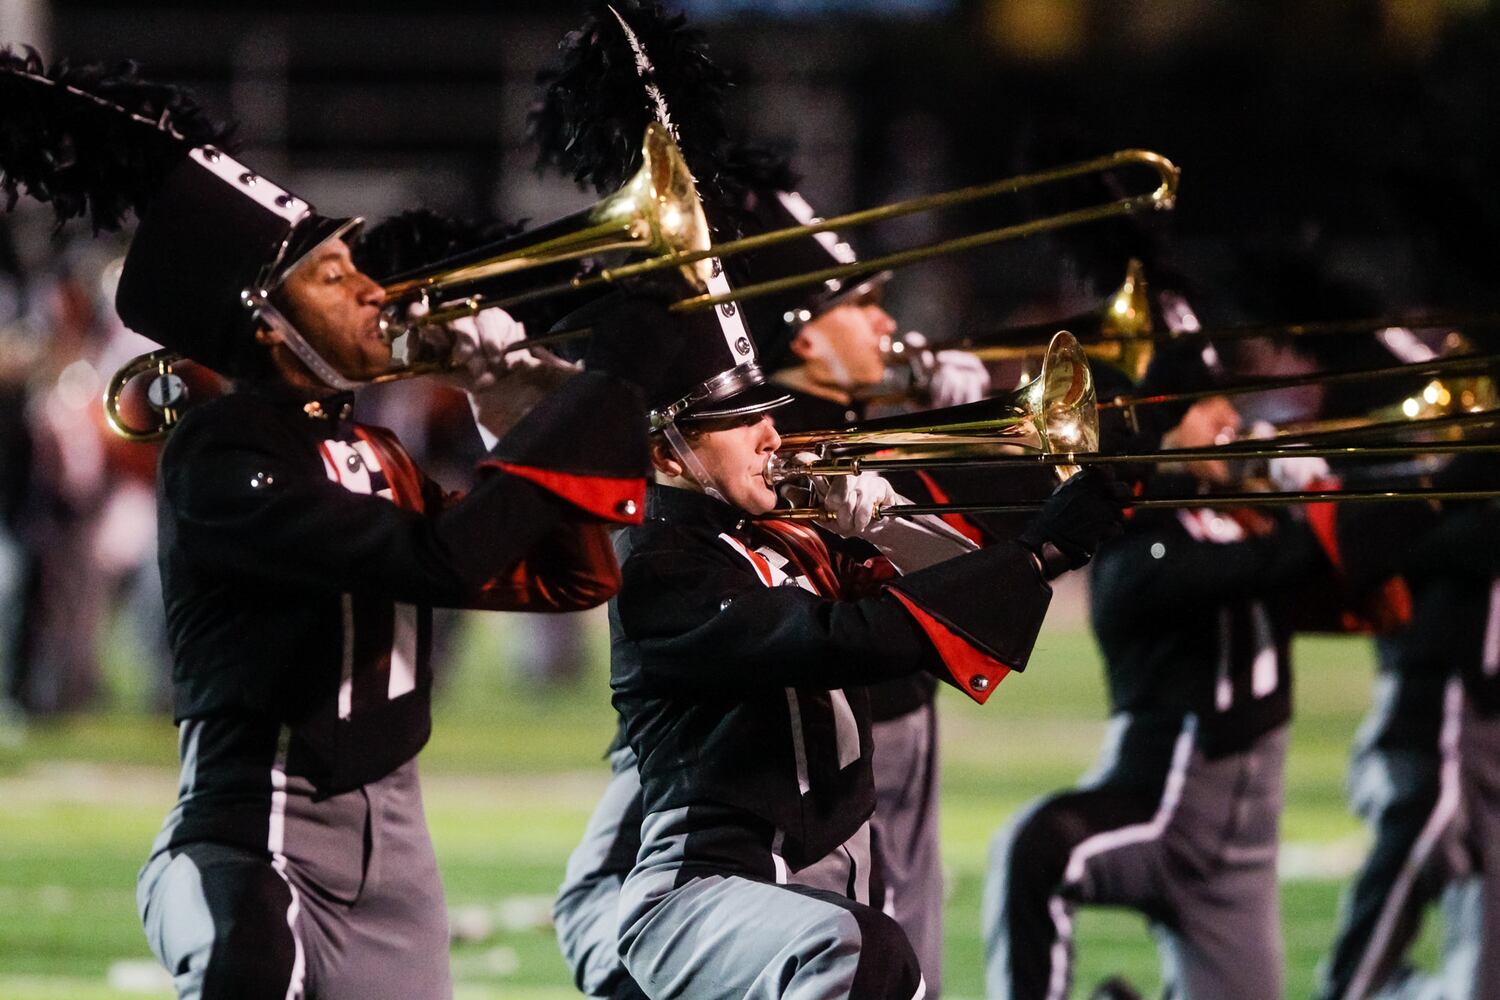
(1343, 144)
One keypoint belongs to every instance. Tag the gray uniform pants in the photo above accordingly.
(712, 936)
(905, 825)
(1473, 857)
(586, 913)
(1188, 841)
(1435, 814)
(1397, 786)
(345, 902)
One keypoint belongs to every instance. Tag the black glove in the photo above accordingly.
(1080, 515)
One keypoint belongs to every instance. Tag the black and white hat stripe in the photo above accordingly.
(731, 323)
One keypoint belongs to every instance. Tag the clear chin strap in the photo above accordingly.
(838, 372)
(262, 310)
(689, 460)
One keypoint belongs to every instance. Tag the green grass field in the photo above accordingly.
(512, 773)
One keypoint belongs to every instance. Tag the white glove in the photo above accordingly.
(1295, 474)
(959, 377)
(853, 500)
(479, 356)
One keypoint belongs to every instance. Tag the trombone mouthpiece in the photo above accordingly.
(775, 471)
(780, 468)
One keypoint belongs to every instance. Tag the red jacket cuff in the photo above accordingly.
(972, 672)
(1322, 518)
(609, 498)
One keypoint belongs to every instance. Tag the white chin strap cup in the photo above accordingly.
(689, 460)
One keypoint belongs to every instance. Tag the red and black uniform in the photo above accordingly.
(740, 657)
(1194, 612)
(301, 555)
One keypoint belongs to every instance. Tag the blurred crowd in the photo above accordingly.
(77, 512)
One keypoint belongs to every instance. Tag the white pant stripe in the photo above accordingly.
(346, 677)
(275, 843)
(1442, 814)
(1111, 840)
(799, 748)
(1491, 662)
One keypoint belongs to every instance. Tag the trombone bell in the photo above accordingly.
(1118, 332)
(1054, 412)
(657, 211)
(142, 409)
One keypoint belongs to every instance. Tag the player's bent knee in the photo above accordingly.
(888, 968)
(254, 952)
(1038, 849)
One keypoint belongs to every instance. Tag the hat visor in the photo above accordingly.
(851, 292)
(312, 235)
(756, 399)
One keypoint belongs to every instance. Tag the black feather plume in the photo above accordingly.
(92, 139)
(595, 104)
(738, 180)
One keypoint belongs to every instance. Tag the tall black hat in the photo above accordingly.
(629, 64)
(215, 238)
(632, 64)
(684, 363)
(775, 319)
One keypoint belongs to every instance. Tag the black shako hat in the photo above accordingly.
(210, 249)
(214, 238)
(775, 319)
(688, 365)
(633, 62)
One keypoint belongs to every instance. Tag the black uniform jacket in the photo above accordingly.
(806, 412)
(1453, 568)
(300, 555)
(740, 682)
(1194, 613)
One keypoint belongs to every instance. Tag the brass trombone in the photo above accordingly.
(658, 212)
(1118, 331)
(1160, 198)
(1480, 397)
(1053, 413)
(1033, 426)
(1125, 316)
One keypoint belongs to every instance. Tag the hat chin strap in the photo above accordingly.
(838, 372)
(262, 310)
(690, 460)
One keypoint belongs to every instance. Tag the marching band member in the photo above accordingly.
(1179, 819)
(1423, 773)
(301, 552)
(828, 344)
(842, 320)
(740, 651)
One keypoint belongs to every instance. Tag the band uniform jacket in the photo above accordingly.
(301, 554)
(1226, 583)
(741, 687)
(1453, 567)
(895, 698)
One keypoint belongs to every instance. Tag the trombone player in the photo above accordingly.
(826, 347)
(1192, 612)
(740, 655)
(301, 552)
